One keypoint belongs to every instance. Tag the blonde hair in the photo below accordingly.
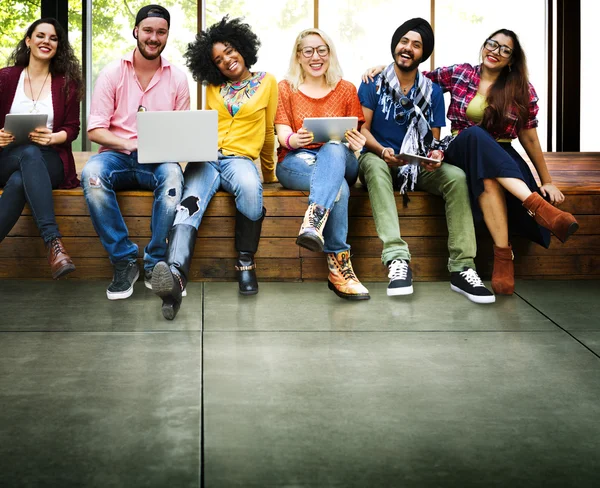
(295, 74)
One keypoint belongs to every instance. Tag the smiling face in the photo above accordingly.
(43, 42)
(317, 64)
(229, 61)
(152, 34)
(493, 58)
(409, 51)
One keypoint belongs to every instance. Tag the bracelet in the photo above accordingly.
(383, 151)
(287, 141)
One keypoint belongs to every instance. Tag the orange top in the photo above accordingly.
(294, 107)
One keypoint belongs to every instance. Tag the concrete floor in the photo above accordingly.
(297, 388)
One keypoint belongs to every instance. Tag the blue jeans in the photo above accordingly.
(110, 171)
(28, 173)
(237, 175)
(328, 173)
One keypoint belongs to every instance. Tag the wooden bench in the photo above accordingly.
(22, 254)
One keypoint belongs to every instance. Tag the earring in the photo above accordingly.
(509, 68)
(28, 50)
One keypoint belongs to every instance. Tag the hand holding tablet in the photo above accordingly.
(429, 164)
(325, 129)
(21, 125)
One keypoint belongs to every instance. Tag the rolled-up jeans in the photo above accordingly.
(109, 171)
(328, 173)
(28, 173)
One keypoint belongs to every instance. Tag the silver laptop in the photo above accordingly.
(327, 129)
(179, 136)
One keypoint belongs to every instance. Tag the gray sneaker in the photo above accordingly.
(148, 278)
(125, 275)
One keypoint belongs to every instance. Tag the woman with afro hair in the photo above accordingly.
(246, 102)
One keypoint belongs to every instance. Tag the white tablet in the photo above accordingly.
(327, 129)
(20, 125)
(414, 159)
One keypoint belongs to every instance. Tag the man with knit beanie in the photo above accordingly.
(404, 112)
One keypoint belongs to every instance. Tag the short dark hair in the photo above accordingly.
(232, 32)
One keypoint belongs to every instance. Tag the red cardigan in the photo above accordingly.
(66, 115)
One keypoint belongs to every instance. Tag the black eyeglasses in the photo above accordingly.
(407, 104)
(308, 51)
(492, 45)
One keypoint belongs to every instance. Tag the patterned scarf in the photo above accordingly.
(236, 93)
(418, 137)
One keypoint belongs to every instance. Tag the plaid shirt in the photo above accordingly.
(462, 81)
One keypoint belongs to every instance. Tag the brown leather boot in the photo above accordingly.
(561, 224)
(60, 262)
(503, 276)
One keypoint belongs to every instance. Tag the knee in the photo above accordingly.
(374, 168)
(455, 178)
(490, 185)
(169, 181)
(92, 174)
(334, 150)
(31, 153)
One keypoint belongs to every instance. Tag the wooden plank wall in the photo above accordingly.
(423, 225)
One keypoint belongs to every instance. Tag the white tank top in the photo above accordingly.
(24, 105)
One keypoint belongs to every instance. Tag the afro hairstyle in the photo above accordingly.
(232, 32)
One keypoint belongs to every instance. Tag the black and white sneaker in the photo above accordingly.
(469, 284)
(400, 276)
(125, 275)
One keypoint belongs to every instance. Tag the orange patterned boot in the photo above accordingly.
(342, 280)
(503, 276)
(311, 231)
(561, 224)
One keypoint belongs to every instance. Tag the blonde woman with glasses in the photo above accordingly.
(313, 87)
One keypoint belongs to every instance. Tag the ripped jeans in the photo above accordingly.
(236, 175)
(110, 171)
(328, 173)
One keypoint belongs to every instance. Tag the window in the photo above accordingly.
(362, 30)
(462, 26)
(275, 23)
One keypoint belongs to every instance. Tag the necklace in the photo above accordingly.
(34, 110)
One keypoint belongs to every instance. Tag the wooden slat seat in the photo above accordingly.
(22, 254)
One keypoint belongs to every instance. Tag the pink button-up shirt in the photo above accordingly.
(118, 96)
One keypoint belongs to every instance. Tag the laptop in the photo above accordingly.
(327, 129)
(178, 136)
(21, 125)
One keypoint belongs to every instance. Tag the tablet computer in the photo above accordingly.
(327, 129)
(414, 159)
(20, 125)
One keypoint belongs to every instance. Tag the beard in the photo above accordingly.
(146, 55)
(408, 68)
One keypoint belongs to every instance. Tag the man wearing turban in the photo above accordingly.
(404, 112)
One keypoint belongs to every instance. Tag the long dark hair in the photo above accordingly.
(234, 32)
(510, 90)
(64, 61)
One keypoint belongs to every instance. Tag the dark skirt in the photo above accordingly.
(481, 157)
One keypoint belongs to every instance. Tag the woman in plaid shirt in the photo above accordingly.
(492, 104)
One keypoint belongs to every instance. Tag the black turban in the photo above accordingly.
(420, 26)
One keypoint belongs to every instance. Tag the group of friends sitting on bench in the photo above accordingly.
(400, 110)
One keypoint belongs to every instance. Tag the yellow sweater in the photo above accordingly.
(251, 131)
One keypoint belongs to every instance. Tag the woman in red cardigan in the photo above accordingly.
(43, 77)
